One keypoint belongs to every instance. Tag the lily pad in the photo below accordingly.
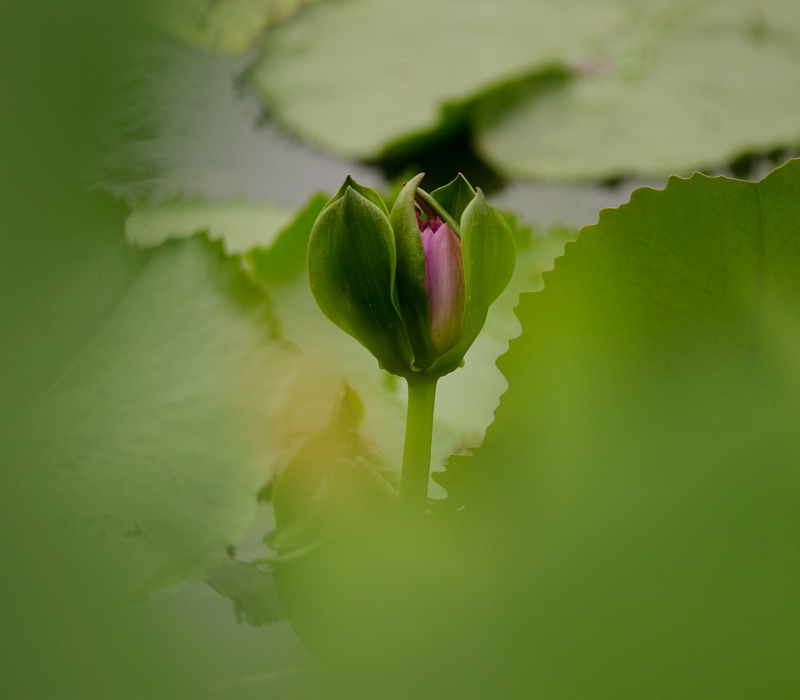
(155, 430)
(693, 281)
(549, 90)
(692, 87)
(239, 225)
(354, 77)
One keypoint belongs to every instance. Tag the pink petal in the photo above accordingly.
(444, 282)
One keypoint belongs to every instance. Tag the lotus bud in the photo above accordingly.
(444, 282)
(412, 285)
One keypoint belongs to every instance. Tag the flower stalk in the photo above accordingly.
(417, 449)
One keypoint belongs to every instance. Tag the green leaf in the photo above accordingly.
(154, 420)
(686, 86)
(328, 82)
(693, 281)
(549, 90)
(455, 196)
(640, 479)
(351, 269)
(240, 225)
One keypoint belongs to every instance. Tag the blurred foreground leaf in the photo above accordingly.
(81, 468)
(639, 491)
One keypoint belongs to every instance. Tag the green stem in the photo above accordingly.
(417, 450)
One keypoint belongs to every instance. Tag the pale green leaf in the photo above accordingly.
(689, 86)
(156, 424)
(556, 90)
(240, 225)
(356, 76)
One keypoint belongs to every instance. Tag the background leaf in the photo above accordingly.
(155, 434)
(690, 86)
(571, 91)
(347, 76)
(240, 225)
(66, 273)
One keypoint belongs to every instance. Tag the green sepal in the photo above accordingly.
(440, 211)
(351, 270)
(455, 196)
(367, 192)
(410, 274)
(489, 254)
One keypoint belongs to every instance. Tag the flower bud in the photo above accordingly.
(444, 282)
(412, 285)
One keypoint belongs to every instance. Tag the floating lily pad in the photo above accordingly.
(694, 87)
(158, 427)
(356, 76)
(550, 90)
(239, 225)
